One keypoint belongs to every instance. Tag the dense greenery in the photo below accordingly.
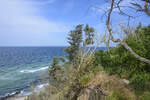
(74, 39)
(120, 61)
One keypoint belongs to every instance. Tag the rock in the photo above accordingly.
(94, 93)
(125, 81)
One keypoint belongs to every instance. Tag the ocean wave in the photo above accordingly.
(42, 85)
(34, 70)
(8, 95)
(24, 92)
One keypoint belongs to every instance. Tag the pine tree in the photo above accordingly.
(74, 40)
(79, 38)
(89, 34)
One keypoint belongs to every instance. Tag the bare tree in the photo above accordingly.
(115, 4)
(140, 8)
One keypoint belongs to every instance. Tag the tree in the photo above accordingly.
(89, 34)
(74, 40)
(55, 67)
(78, 40)
(115, 4)
(140, 8)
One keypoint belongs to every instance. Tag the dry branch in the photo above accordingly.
(123, 43)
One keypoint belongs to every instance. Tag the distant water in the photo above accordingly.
(21, 66)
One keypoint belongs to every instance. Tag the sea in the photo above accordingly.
(23, 67)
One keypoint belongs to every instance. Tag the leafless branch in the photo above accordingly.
(125, 45)
(144, 9)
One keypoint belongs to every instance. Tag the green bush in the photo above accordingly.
(85, 79)
(140, 82)
(119, 61)
(118, 94)
(145, 96)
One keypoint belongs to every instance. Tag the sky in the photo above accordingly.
(48, 22)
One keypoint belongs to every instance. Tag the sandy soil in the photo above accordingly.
(17, 98)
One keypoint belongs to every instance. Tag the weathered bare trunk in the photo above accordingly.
(147, 11)
(125, 45)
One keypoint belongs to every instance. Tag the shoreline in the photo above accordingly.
(17, 98)
(18, 95)
(14, 96)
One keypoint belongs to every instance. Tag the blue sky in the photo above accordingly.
(48, 22)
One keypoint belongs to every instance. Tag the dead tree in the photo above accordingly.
(137, 7)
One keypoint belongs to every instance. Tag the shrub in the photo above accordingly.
(145, 96)
(119, 61)
(85, 79)
(118, 94)
(140, 82)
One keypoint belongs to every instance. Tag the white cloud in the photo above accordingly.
(22, 23)
(43, 2)
(25, 17)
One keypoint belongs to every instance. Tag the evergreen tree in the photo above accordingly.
(74, 40)
(89, 34)
(56, 71)
(79, 38)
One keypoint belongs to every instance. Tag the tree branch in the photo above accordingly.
(147, 11)
(125, 45)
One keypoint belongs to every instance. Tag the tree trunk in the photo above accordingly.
(125, 45)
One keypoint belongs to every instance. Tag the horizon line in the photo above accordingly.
(44, 46)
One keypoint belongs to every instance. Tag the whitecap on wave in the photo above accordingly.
(34, 70)
(42, 85)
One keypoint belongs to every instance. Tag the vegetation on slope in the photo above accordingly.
(120, 61)
(84, 75)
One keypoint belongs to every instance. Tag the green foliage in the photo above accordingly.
(145, 96)
(66, 80)
(56, 71)
(74, 39)
(79, 38)
(89, 34)
(118, 94)
(140, 82)
(85, 79)
(121, 62)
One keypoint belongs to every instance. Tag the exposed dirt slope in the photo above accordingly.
(103, 85)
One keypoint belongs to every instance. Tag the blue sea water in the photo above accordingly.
(21, 66)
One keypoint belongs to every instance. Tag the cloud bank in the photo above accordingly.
(23, 19)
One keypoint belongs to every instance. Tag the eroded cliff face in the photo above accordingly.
(92, 91)
(103, 86)
(91, 94)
